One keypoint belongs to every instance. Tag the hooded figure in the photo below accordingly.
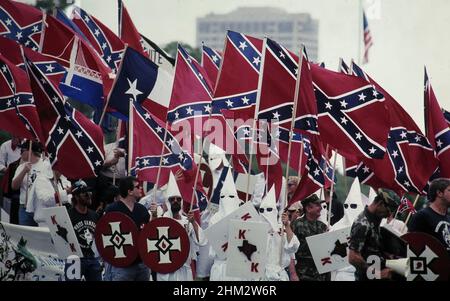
(228, 202)
(216, 157)
(174, 210)
(276, 271)
(353, 206)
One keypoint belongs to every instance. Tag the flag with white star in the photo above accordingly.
(107, 44)
(410, 159)
(21, 22)
(140, 80)
(437, 129)
(73, 142)
(352, 116)
(18, 114)
(88, 77)
(211, 59)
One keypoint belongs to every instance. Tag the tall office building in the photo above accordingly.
(291, 30)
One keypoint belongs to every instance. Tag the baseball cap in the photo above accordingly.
(80, 186)
(313, 199)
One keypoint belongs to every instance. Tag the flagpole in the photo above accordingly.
(360, 33)
(130, 135)
(332, 189)
(28, 173)
(291, 134)
(409, 213)
(258, 99)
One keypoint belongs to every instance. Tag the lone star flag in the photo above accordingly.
(140, 80)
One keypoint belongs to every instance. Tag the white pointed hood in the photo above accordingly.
(171, 191)
(353, 206)
(216, 156)
(229, 200)
(270, 213)
(372, 195)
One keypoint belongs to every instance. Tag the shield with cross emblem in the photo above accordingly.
(428, 259)
(164, 245)
(116, 237)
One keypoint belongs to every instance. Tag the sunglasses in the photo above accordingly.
(353, 206)
(173, 199)
(261, 210)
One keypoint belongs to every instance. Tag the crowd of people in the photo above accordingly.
(31, 185)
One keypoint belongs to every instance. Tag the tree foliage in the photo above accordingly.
(171, 49)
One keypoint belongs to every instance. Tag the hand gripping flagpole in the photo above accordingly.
(291, 134)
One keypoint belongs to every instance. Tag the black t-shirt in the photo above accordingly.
(84, 227)
(140, 215)
(429, 221)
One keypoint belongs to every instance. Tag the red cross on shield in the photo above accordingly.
(164, 245)
(116, 237)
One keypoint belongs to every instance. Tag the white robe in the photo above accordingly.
(184, 273)
(275, 271)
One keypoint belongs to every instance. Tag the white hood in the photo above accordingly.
(171, 191)
(229, 200)
(353, 206)
(269, 205)
(372, 195)
(216, 156)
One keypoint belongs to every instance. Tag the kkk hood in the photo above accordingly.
(353, 205)
(171, 191)
(229, 200)
(216, 156)
(268, 209)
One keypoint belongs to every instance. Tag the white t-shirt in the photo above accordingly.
(39, 167)
(8, 155)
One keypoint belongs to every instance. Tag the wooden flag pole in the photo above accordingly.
(28, 173)
(331, 190)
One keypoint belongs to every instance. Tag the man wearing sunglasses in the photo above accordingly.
(308, 225)
(365, 238)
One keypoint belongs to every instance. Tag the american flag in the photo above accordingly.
(368, 42)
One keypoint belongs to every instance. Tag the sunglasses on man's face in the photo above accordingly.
(261, 210)
(353, 206)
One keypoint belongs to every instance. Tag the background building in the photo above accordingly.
(291, 30)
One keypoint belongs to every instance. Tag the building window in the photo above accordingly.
(285, 27)
(203, 27)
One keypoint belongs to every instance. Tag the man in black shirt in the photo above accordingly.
(84, 221)
(434, 219)
(130, 193)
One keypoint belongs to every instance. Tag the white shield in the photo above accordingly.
(247, 255)
(62, 232)
(330, 250)
(217, 234)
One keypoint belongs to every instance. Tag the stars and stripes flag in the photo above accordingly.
(211, 60)
(437, 129)
(88, 77)
(73, 142)
(368, 41)
(410, 160)
(107, 44)
(21, 22)
(352, 116)
(142, 81)
(18, 114)
(406, 206)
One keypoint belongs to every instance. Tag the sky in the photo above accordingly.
(407, 35)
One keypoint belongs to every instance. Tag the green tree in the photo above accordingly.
(171, 49)
(49, 5)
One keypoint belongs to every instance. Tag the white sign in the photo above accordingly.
(61, 229)
(247, 253)
(330, 250)
(217, 234)
(27, 253)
